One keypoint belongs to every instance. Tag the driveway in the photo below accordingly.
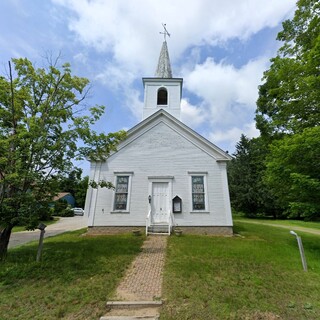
(63, 225)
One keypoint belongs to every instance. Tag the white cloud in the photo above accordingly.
(128, 29)
(191, 115)
(133, 102)
(127, 34)
(232, 136)
(81, 57)
(120, 80)
(229, 94)
(115, 77)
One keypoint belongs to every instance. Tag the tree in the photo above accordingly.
(248, 191)
(76, 185)
(289, 98)
(288, 113)
(42, 119)
(81, 191)
(293, 173)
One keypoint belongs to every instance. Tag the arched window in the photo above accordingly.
(162, 96)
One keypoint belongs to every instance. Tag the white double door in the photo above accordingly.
(160, 202)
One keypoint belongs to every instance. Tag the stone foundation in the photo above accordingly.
(113, 230)
(213, 230)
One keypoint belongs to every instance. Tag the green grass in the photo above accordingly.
(293, 223)
(23, 228)
(257, 275)
(73, 280)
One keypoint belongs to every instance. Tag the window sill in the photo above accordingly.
(121, 212)
(200, 211)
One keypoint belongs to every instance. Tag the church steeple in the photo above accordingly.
(162, 91)
(164, 67)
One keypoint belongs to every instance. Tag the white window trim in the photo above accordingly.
(206, 203)
(119, 174)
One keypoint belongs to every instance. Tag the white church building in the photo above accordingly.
(165, 174)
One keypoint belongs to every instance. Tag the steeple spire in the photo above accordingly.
(164, 67)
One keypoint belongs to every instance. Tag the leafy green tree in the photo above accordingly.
(248, 191)
(289, 98)
(293, 173)
(76, 185)
(288, 113)
(81, 191)
(42, 119)
(68, 183)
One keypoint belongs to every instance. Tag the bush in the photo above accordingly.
(46, 214)
(62, 209)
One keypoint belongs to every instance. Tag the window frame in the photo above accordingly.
(127, 209)
(205, 188)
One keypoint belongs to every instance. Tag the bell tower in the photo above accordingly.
(162, 91)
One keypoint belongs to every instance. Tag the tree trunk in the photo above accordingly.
(4, 242)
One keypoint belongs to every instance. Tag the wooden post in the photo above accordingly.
(42, 232)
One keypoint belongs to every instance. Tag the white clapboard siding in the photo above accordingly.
(162, 147)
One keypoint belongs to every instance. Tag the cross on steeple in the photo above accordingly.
(165, 31)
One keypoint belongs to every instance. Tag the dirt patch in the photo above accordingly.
(259, 315)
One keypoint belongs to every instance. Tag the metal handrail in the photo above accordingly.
(171, 222)
(148, 221)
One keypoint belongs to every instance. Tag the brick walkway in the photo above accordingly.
(143, 280)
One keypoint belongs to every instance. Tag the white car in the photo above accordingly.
(78, 211)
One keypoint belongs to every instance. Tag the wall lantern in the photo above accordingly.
(176, 205)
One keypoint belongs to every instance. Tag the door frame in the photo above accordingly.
(167, 179)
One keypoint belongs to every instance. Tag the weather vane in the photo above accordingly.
(165, 31)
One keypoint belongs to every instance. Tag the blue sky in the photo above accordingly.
(220, 49)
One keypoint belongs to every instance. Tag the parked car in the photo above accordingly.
(78, 211)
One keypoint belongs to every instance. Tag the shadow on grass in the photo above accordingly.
(68, 257)
(72, 281)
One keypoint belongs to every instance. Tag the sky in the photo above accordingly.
(219, 48)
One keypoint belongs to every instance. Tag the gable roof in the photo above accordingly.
(182, 129)
(61, 195)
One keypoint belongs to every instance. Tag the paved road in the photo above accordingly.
(63, 225)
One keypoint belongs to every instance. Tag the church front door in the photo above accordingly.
(160, 202)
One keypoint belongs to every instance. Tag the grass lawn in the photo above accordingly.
(73, 280)
(293, 223)
(257, 275)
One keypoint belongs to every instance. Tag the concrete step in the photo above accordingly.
(132, 310)
(133, 304)
(158, 228)
(129, 318)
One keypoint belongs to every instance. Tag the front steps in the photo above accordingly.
(158, 228)
(132, 310)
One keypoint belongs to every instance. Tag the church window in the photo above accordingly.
(162, 97)
(198, 190)
(121, 193)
